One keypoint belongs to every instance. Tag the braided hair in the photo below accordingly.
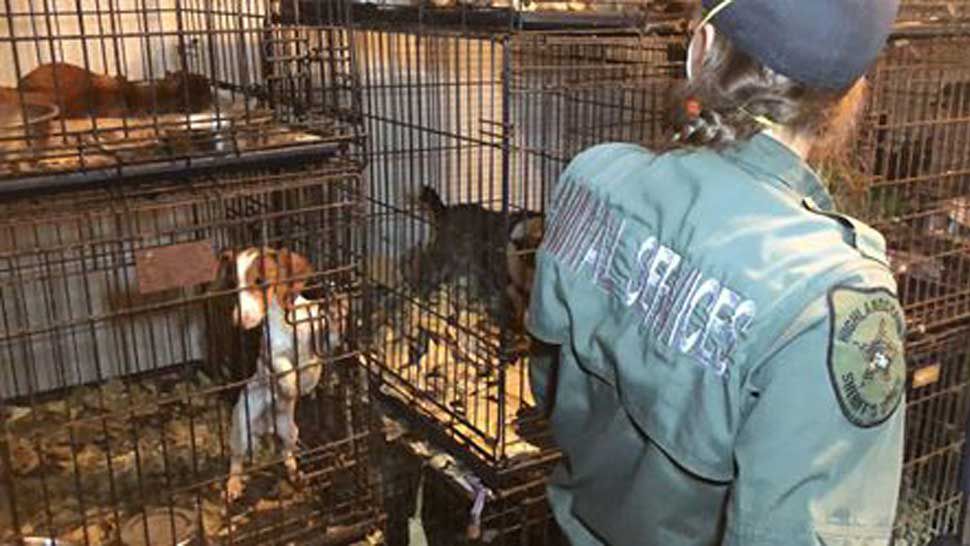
(733, 97)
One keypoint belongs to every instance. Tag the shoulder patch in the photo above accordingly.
(865, 355)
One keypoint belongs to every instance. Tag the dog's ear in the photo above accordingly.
(294, 272)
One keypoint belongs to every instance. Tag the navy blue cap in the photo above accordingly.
(821, 43)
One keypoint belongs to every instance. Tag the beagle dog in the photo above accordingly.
(295, 334)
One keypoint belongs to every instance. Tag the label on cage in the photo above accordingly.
(175, 266)
(927, 375)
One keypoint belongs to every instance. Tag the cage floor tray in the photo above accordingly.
(98, 464)
(102, 143)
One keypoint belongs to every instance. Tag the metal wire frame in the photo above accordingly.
(258, 80)
(488, 120)
(914, 156)
(112, 399)
(936, 413)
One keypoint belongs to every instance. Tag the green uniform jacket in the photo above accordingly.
(724, 361)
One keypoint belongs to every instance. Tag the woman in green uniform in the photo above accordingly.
(720, 351)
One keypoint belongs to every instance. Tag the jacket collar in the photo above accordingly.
(778, 164)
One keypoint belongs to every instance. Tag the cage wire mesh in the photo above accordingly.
(118, 419)
(936, 414)
(468, 131)
(94, 87)
(914, 154)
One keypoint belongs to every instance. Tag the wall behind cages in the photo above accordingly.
(433, 105)
(572, 91)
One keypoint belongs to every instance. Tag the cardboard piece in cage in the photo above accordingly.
(175, 266)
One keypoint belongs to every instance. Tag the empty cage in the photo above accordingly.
(468, 132)
(123, 370)
(93, 88)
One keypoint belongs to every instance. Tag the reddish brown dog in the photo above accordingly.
(78, 92)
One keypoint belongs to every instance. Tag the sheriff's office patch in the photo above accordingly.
(866, 360)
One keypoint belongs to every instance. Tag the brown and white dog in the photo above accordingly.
(270, 283)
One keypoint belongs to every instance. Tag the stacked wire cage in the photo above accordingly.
(911, 181)
(94, 89)
(472, 112)
(190, 296)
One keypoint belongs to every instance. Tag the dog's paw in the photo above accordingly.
(292, 471)
(234, 488)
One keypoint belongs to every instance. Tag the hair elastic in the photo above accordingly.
(714, 11)
(764, 121)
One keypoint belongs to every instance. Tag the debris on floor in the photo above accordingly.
(445, 353)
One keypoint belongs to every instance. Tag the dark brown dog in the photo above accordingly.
(177, 92)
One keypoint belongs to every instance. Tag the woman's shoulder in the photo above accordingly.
(595, 158)
(613, 161)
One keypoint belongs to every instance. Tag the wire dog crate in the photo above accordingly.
(91, 89)
(117, 407)
(915, 150)
(468, 133)
(936, 413)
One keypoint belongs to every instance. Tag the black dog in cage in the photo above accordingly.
(491, 256)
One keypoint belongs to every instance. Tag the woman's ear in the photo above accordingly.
(701, 42)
